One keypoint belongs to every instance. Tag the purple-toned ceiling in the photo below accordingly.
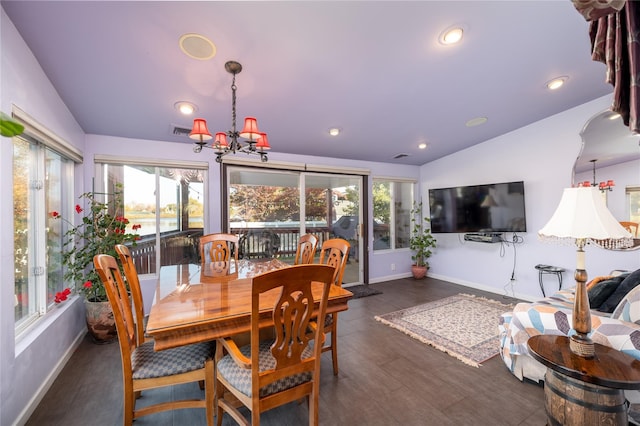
(374, 69)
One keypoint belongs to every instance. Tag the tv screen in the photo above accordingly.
(497, 207)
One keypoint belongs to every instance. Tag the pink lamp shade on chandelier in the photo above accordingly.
(263, 142)
(602, 185)
(200, 131)
(221, 140)
(250, 130)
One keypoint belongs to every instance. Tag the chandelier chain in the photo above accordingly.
(233, 106)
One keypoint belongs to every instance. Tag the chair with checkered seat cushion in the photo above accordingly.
(267, 374)
(306, 249)
(218, 247)
(335, 253)
(142, 367)
(136, 292)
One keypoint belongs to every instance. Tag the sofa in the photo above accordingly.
(615, 321)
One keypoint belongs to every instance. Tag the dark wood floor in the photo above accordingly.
(386, 378)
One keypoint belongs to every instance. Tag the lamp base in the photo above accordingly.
(582, 346)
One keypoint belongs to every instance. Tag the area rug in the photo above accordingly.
(362, 290)
(463, 326)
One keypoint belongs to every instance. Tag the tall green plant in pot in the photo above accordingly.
(421, 241)
(102, 226)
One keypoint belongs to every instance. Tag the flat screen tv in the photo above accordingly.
(491, 208)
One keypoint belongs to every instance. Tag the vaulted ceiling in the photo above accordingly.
(374, 69)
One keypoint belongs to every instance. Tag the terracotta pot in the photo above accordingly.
(100, 322)
(418, 272)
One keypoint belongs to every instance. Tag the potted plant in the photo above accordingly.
(421, 241)
(102, 226)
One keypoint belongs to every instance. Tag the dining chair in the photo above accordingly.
(306, 250)
(218, 247)
(335, 253)
(266, 374)
(133, 281)
(631, 227)
(144, 368)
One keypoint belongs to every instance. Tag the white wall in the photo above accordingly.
(542, 155)
(28, 367)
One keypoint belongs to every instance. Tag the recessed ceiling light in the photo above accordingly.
(556, 83)
(476, 121)
(451, 35)
(186, 108)
(197, 46)
(614, 115)
(334, 131)
(422, 145)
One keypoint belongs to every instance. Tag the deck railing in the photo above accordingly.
(182, 246)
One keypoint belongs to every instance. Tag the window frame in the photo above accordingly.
(629, 190)
(41, 144)
(100, 161)
(393, 181)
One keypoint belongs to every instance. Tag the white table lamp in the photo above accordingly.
(582, 218)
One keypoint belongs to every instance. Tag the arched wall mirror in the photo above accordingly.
(610, 152)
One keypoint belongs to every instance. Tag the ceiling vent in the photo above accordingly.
(401, 155)
(176, 130)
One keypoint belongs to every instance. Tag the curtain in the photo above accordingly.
(615, 41)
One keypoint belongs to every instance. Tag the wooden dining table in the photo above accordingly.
(199, 303)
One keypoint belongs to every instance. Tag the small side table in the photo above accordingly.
(548, 269)
(584, 391)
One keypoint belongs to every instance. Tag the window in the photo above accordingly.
(633, 203)
(42, 183)
(270, 208)
(392, 201)
(167, 201)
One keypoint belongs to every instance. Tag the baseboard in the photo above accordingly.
(390, 278)
(46, 384)
(477, 286)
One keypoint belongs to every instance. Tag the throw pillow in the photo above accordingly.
(600, 291)
(596, 280)
(629, 283)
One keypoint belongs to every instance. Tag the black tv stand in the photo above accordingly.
(484, 237)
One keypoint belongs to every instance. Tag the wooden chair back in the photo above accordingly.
(335, 252)
(185, 359)
(291, 315)
(133, 281)
(306, 250)
(218, 247)
(116, 289)
(631, 227)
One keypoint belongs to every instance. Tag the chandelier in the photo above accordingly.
(602, 186)
(228, 143)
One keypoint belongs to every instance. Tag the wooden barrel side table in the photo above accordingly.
(584, 391)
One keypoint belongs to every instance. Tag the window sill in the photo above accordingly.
(31, 333)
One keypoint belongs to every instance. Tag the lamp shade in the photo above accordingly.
(250, 130)
(221, 141)
(583, 215)
(200, 131)
(263, 142)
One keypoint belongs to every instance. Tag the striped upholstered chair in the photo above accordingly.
(142, 367)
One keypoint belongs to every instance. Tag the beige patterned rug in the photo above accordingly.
(464, 326)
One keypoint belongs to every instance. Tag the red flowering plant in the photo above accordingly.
(102, 227)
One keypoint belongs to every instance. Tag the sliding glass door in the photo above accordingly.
(265, 207)
(338, 196)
